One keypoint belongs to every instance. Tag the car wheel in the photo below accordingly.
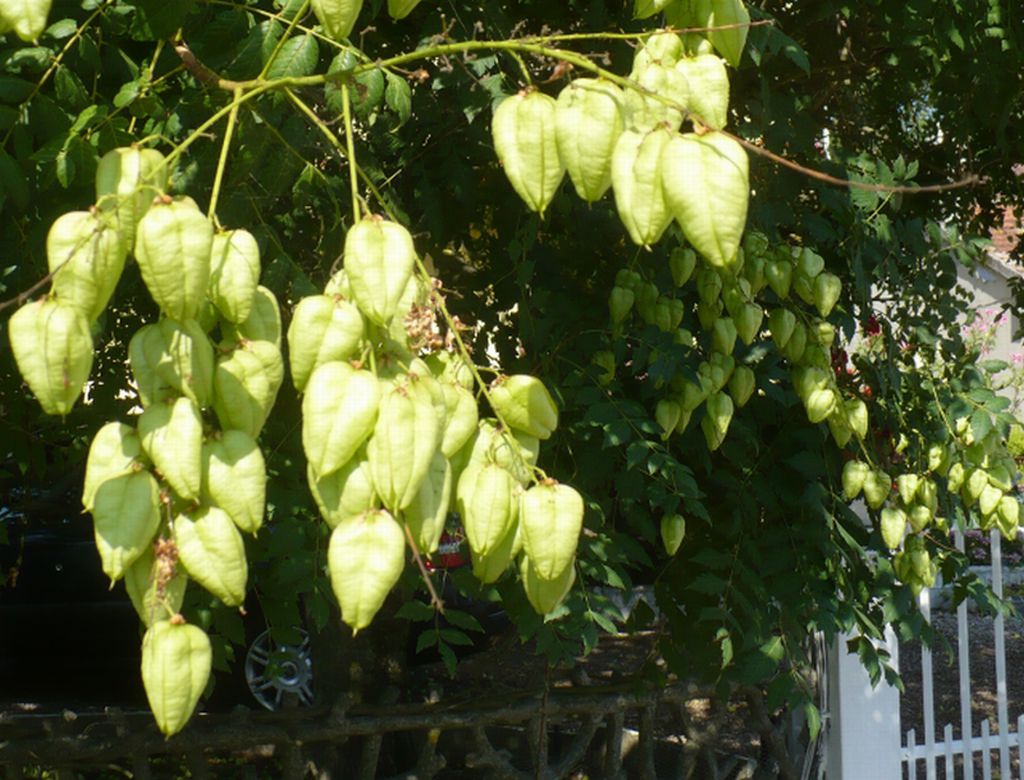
(279, 674)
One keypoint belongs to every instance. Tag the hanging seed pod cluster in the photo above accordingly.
(172, 494)
(395, 441)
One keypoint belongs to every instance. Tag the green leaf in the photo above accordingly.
(426, 639)
(981, 424)
(156, 19)
(14, 90)
(416, 611)
(455, 637)
(462, 620)
(813, 716)
(398, 97)
(367, 92)
(297, 57)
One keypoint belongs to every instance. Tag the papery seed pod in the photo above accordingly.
(173, 242)
(839, 426)
(262, 324)
(339, 411)
(337, 17)
(643, 9)
(154, 595)
(855, 473)
(127, 181)
(877, 486)
(717, 417)
(487, 500)
(126, 516)
(709, 89)
(660, 97)
(53, 349)
(682, 263)
(524, 403)
(525, 141)
(857, 414)
(235, 478)
(176, 663)
(827, 289)
(779, 274)
(460, 420)
(727, 23)
(234, 274)
(114, 452)
(365, 559)
(667, 413)
(706, 187)
(748, 322)
(661, 48)
(379, 260)
(489, 568)
(323, 329)
(172, 437)
(550, 521)
(186, 361)
(637, 183)
(213, 553)
(86, 256)
(346, 492)
(399, 9)
(405, 437)
(893, 525)
(741, 385)
(673, 531)
(589, 118)
(146, 350)
(426, 515)
(546, 594)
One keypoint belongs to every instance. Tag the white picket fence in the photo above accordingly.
(865, 740)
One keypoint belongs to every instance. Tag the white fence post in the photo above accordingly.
(864, 722)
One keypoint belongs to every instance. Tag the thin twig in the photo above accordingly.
(435, 600)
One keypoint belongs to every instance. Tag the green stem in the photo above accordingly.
(350, 145)
(222, 163)
(283, 40)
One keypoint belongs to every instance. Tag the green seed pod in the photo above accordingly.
(709, 89)
(234, 274)
(146, 350)
(53, 349)
(741, 386)
(642, 9)
(154, 597)
(673, 531)
(346, 492)
(86, 256)
(172, 437)
(399, 9)
(186, 360)
(661, 97)
(405, 437)
(235, 478)
(893, 526)
(748, 322)
(323, 329)
(550, 520)
(589, 118)
(857, 414)
(114, 452)
(365, 559)
(855, 473)
(525, 140)
(524, 404)
(779, 274)
(245, 385)
(839, 426)
(461, 418)
(723, 335)
(127, 181)
(173, 242)
(426, 515)
(126, 516)
(620, 303)
(662, 48)
(877, 486)
(637, 183)
(486, 498)
(706, 187)
(489, 568)
(379, 260)
(212, 551)
(546, 594)
(726, 22)
(827, 289)
(339, 410)
(907, 485)
(176, 663)
(682, 263)
(717, 417)
(337, 17)
(263, 322)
